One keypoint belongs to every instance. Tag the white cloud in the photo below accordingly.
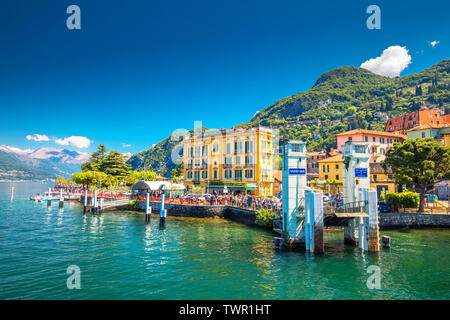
(75, 141)
(391, 63)
(126, 145)
(38, 137)
(434, 43)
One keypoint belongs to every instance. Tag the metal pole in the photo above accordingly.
(61, 198)
(148, 209)
(49, 198)
(85, 200)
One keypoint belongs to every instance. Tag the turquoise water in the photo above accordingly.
(122, 257)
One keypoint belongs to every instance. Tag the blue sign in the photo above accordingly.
(361, 172)
(297, 171)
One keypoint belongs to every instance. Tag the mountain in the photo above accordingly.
(348, 97)
(11, 169)
(159, 157)
(341, 99)
(49, 162)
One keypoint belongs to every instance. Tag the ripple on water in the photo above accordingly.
(122, 257)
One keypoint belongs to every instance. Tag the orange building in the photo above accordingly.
(415, 119)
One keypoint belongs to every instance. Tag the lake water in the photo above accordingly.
(122, 257)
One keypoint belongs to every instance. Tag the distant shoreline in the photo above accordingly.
(27, 180)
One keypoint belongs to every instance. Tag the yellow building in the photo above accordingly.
(446, 138)
(381, 180)
(332, 169)
(226, 157)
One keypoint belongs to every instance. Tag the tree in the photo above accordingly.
(419, 163)
(90, 178)
(114, 164)
(134, 176)
(96, 159)
(177, 173)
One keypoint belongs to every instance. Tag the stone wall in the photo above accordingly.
(413, 219)
(183, 210)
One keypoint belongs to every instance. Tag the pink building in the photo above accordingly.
(379, 141)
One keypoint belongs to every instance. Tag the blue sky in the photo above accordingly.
(138, 70)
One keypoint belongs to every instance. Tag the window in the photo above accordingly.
(337, 166)
(337, 177)
(328, 168)
(326, 176)
(196, 175)
(366, 138)
(323, 168)
(215, 174)
(189, 174)
(238, 160)
(248, 146)
(350, 138)
(228, 148)
(374, 139)
(238, 175)
(216, 147)
(423, 134)
(228, 174)
(296, 147)
(204, 174)
(374, 177)
(249, 173)
(360, 149)
(239, 147)
(248, 160)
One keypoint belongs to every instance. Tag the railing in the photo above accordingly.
(227, 165)
(357, 206)
(220, 201)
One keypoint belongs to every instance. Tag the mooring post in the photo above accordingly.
(162, 217)
(318, 223)
(372, 228)
(307, 221)
(49, 198)
(100, 205)
(162, 212)
(386, 241)
(148, 209)
(61, 198)
(95, 202)
(85, 201)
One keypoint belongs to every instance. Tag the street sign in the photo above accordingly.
(297, 171)
(361, 172)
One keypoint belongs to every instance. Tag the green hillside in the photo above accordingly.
(348, 97)
(158, 158)
(341, 99)
(12, 169)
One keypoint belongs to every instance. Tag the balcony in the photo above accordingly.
(249, 165)
(227, 165)
(204, 166)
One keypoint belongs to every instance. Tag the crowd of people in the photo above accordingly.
(237, 200)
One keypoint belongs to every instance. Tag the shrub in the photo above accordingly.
(134, 204)
(409, 199)
(405, 199)
(265, 217)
